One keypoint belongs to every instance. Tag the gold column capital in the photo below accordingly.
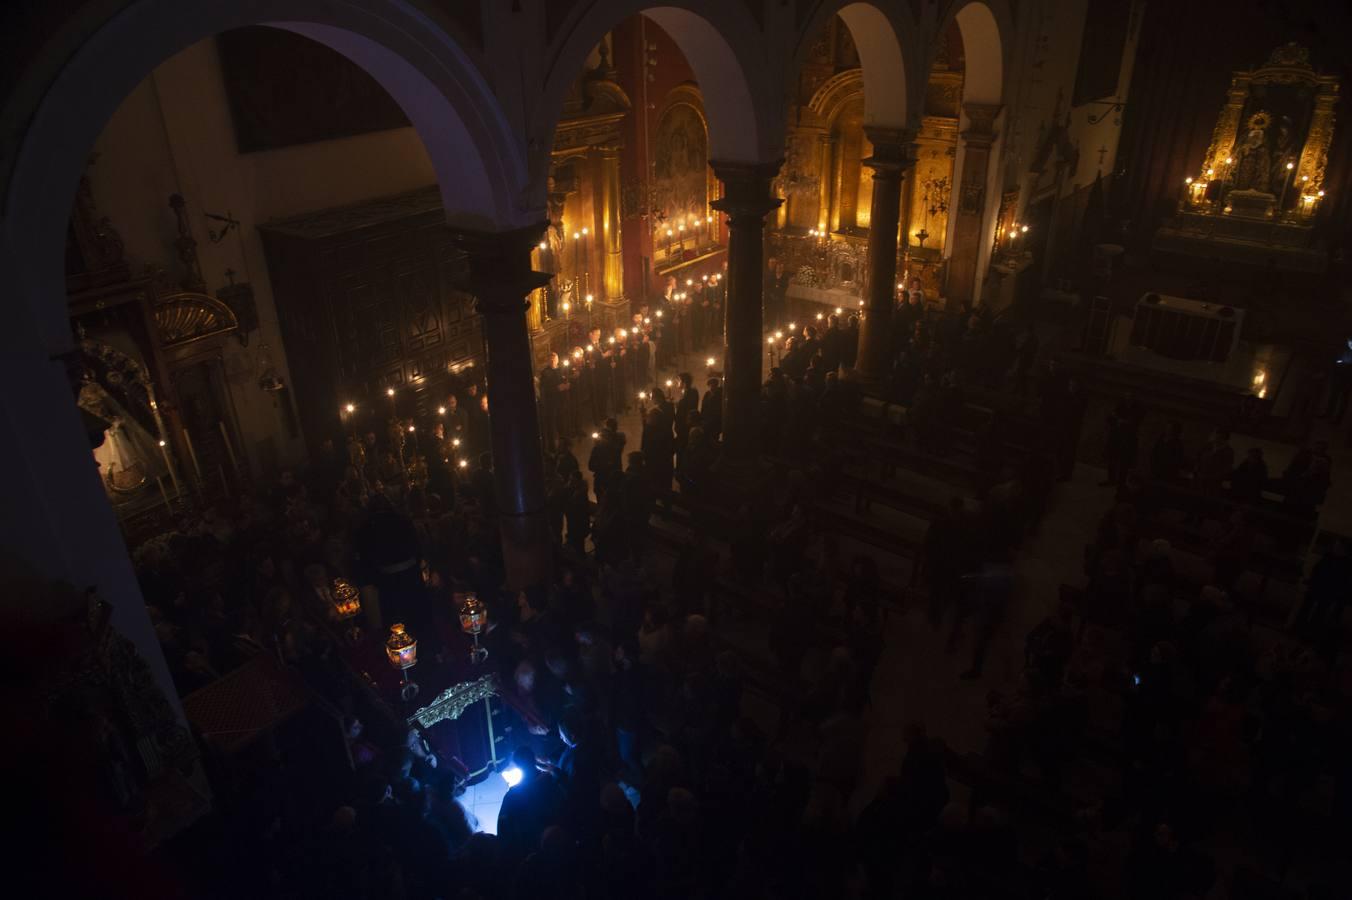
(980, 121)
(746, 188)
(894, 150)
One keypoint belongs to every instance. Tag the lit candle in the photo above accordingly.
(710, 362)
(1281, 201)
(596, 435)
(164, 450)
(464, 464)
(441, 410)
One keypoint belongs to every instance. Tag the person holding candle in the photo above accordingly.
(622, 386)
(711, 410)
(552, 388)
(454, 418)
(659, 445)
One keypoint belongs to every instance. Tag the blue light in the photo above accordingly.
(512, 775)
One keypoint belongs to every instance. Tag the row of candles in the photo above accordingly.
(1195, 189)
(683, 229)
(777, 340)
(710, 369)
(347, 412)
(581, 264)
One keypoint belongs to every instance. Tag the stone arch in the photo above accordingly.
(721, 41)
(478, 162)
(56, 520)
(884, 40)
(834, 91)
(985, 27)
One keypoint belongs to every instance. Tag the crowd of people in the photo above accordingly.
(640, 773)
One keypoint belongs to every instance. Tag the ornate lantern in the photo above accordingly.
(346, 599)
(473, 620)
(402, 650)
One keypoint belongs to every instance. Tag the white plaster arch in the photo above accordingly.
(743, 104)
(56, 518)
(885, 40)
(987, 32)
(987, 28)
(480, 164)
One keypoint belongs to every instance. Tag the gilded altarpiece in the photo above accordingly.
(582, 246)
(827, 192)
(1260, 188)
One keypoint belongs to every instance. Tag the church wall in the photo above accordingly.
(174, 134)
(1042, 91)
(641, 142)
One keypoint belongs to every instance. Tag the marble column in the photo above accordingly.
(970, 208)
(893, 155)
(500, 277)
(610, 223)
(746, 200)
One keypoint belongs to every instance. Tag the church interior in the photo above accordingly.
(755, 448)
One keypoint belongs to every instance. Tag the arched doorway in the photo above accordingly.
(56, 518)
(850, 151)
(735, 126)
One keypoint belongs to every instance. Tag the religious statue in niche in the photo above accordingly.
(115, 389)
(680, 179)
(1269, 143)
(1253, 162)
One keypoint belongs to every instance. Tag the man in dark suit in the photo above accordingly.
(711, 412)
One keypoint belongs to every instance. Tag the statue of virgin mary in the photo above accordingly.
(129, 455)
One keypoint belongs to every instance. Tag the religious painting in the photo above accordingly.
(1106, 23)
(681, 162)
(285, 89)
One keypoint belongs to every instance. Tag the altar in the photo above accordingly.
(1257, 197)
(1182, 329)
(805, 301)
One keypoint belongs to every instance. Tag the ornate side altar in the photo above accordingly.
(1258, 194)
(823, 270)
